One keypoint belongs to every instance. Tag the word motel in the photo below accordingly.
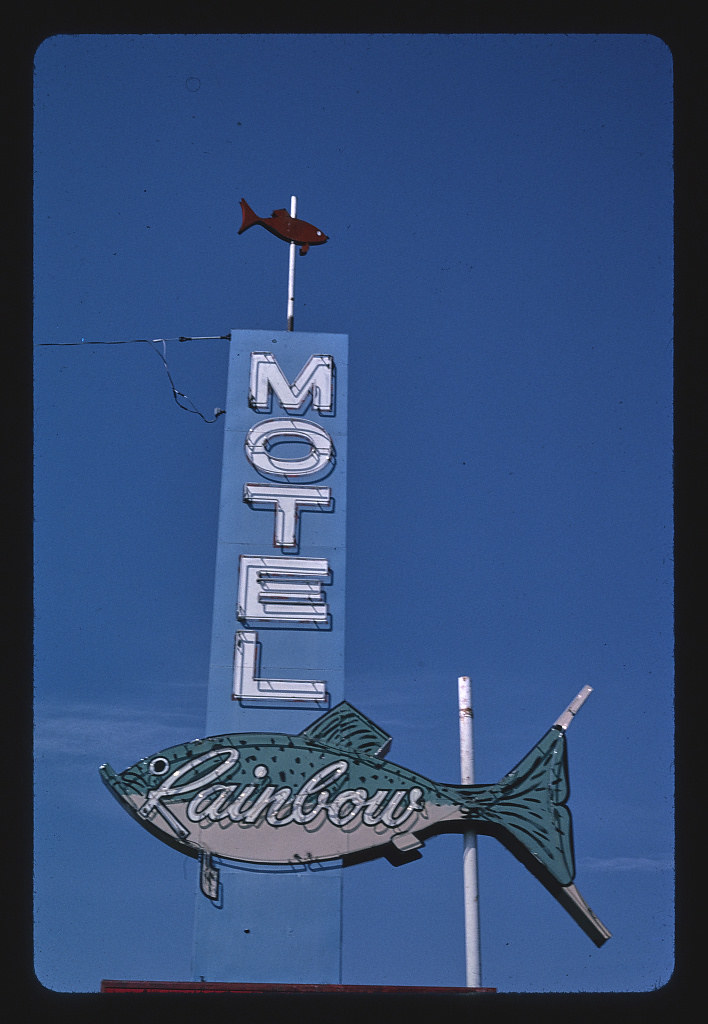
(292, 455)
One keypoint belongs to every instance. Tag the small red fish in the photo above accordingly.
(284, 226)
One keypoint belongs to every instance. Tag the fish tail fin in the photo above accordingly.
(528, 808)
(528, 803)
(248, 217)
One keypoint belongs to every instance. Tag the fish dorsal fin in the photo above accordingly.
(280, 213)
(346, 728)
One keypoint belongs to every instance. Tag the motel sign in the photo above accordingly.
(277, 650)
(273, 802)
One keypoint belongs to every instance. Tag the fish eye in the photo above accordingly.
(159, 765)
(319, 232)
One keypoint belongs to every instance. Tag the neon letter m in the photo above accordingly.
(316, 378)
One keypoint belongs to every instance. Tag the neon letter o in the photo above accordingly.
(263, 436)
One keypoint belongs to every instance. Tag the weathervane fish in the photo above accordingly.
(328, 793)
(281, 224)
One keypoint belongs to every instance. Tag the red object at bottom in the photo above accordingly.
(189, 987)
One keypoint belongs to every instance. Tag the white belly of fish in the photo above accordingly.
(269, 830)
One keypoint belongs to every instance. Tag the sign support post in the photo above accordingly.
(473, 960)
(291, 271)
(277, 649)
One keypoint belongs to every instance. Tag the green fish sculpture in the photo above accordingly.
(329, 793)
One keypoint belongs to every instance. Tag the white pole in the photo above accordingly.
(473, 959)
(291, 271)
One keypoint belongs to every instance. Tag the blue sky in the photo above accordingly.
(500, 217)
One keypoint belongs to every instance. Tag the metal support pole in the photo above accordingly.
(473, 959)
(291, 271)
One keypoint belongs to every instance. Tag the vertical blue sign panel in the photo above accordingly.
(277, 649)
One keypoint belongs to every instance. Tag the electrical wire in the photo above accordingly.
(130, 341)
(176, 393)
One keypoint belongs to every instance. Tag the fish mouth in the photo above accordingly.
(107, 774)
(131, 800)
(114, 782)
